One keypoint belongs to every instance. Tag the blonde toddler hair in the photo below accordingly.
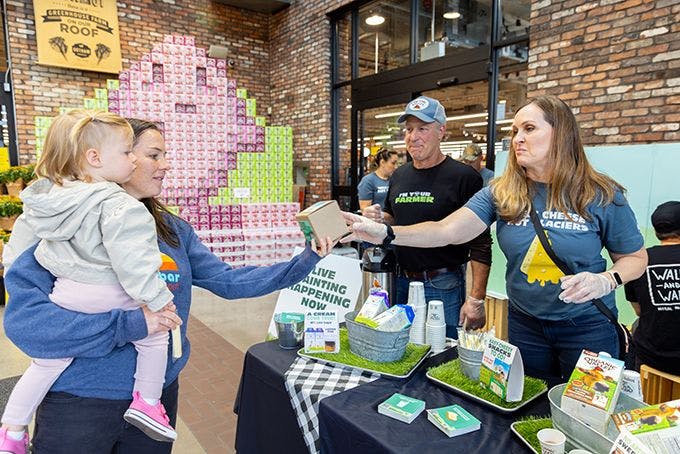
(69, 136)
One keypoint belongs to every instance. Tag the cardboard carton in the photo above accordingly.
(593, 389)
(321, 220)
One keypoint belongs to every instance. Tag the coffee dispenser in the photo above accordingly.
(378, 266)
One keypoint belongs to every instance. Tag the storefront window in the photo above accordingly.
(512, 94)
(343, 51)
(516, 15)
(344, 156)
(384, 36)
(447, 26)
(378, 128)
(466, 115)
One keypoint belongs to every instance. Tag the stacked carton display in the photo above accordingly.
(231, 174)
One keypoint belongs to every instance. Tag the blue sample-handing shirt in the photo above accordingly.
(532, 279)
(373, 188)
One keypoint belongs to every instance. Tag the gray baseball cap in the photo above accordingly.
(425, 109)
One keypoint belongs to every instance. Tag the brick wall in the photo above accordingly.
(40, 90)
(616, 63)
(301, 85)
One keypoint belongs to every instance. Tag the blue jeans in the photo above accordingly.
(447, 287)
(550, 349)
(70, 424)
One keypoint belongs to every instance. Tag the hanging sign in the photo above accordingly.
(78, 34)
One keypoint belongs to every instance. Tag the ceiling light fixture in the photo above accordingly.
(466, 116)
(375, 19)
(484, 123)
(452, 15)
(389, 114)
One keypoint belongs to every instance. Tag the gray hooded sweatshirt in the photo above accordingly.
(93, 233)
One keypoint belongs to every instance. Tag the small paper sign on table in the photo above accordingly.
(502, 371)
(322, 333)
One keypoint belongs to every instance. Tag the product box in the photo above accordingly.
(655, 426)
(627, 443)
(321, 220)
(322, 334)
(453, 420)
(593, 389)
(401, 407)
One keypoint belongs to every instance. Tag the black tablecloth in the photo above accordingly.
(266, 421)
(349, 422)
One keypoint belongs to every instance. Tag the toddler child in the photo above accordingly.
(101, 245)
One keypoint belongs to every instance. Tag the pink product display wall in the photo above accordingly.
(205, 126)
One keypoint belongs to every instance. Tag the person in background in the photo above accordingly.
(655, 296)
(581, 211)
(373, 186)
(429, 188)
(83, 411)
(472, 156)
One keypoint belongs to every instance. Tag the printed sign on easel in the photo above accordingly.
(333, 285)
(502, 371)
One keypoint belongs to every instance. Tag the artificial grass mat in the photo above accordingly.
(413, 354)
(451, 374)
(529, 426)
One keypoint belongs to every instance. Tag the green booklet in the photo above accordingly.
(402, 407)
(453, 420)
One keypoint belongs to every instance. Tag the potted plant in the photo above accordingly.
(13, 179)
(28, 174)
(4, 238)
(10, 208)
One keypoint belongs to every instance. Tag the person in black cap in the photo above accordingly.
(429, 188)
(655, 296)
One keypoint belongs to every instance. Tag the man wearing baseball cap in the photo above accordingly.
(655, 296)
(429, 188)
(472, 156)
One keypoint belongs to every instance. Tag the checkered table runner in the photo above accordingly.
(308, 381)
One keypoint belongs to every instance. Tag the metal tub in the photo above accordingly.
(578, 433)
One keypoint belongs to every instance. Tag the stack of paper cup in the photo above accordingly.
(416, 299)
(435, 328)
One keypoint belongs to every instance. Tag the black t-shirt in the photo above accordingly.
(658, 292)
(418, 195)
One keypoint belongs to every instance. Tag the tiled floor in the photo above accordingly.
(220, 332)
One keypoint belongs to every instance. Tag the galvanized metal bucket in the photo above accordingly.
(378, 346)
(470, 362)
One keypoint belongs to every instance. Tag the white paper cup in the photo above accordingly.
(435, 336)
(631, 385)
(552, 441)
(579, 451)
(416, 294)
(435, 312)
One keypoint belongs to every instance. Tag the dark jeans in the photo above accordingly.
(70, 424)
(448, 288)
(550, 349)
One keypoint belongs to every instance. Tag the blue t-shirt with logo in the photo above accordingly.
(373, 188)
(532, 279)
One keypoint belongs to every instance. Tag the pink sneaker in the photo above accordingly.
(11, 446)
(151, 420)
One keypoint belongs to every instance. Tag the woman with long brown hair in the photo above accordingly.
(580, 210)
(83, 412)
(373, 187)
